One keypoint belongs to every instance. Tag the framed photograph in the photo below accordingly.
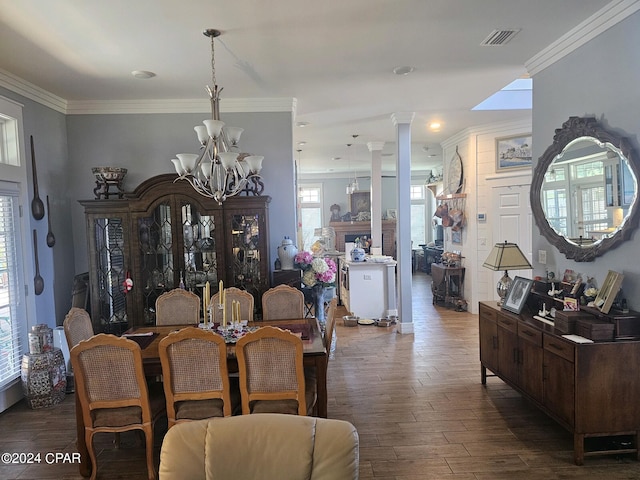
(392, 214)
(517, 294)
(513, 152)
(608, 292)
(360, 202)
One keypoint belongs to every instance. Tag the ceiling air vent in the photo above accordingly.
(499, 37)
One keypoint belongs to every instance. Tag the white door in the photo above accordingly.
(513, 224)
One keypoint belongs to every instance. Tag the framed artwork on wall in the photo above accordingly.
(360, 202)
(513, 152)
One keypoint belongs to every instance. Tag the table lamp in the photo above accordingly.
(506, 256)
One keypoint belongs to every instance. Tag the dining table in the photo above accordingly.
(149, 337)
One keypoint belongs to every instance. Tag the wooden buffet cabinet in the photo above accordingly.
(591, 389)
(163, 233)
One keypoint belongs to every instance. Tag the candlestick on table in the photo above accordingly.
(224, 308)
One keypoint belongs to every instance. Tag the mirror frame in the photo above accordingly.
(573, 128)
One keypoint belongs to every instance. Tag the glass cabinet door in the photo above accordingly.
(247, 245)
(156, 258)
(200, 262)
(109, 265)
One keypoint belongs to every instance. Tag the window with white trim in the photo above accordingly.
(13, 310)
(310, 198)
(418, 215)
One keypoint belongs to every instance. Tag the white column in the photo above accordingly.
(402, 122)
(376, 192)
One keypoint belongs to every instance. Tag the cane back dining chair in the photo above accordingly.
(113, 392)
(77, 326)
(270, 364)
(232, 293)
(178, 307)
(195, 375)
(282, 302)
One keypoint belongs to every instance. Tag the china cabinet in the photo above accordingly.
(164, 235)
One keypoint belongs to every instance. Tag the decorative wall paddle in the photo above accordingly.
(38, 281)
(37, 207)
(51, 239)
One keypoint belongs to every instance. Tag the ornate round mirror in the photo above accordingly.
(584, 193)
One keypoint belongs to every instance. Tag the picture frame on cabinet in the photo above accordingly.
(608, 292)
(517, 294)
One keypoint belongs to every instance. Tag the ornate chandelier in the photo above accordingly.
(219, 171)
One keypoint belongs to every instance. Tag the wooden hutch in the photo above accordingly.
(164, 234)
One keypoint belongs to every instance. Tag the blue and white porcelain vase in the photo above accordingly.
(286, 253)
(357, 255)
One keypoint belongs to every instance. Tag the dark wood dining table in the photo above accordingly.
(315, 355)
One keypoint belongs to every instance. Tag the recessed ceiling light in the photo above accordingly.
(302, 144)
(406, 70)
(143, 74)
(302, 124)
(435, 125)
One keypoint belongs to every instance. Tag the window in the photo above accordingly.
(9, 141)
(14, 250)
(10, 295)
(418, 216)
(310, 198)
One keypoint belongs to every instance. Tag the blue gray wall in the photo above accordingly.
(145, 144)
(599, 79)
(48, 128)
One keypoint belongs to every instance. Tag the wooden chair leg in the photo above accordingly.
(92, 454)
(151, 469)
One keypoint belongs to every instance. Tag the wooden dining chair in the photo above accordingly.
(232, 293)
(330, 325)
(77, 326)
(195, 375)
(178, 307)
(270, 364)
(282, 302)
(113, 393)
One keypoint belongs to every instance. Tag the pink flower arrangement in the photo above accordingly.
(317, 270)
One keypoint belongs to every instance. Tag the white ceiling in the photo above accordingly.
(335, 57)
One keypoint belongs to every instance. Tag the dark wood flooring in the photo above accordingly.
(416, 400)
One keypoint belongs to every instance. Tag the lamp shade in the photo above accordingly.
(506, 256)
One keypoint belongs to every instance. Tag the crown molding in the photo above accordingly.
(17, 85)
(86, 107)
(593, 26)
(227, 105)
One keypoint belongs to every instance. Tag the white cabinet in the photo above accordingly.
(368, 289)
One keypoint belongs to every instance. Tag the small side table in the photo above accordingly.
(448, 283)
(44, 378)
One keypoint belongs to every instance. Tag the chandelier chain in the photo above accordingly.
(213, 62)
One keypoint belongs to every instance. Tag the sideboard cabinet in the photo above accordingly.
(164, 235)
(591, 389)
